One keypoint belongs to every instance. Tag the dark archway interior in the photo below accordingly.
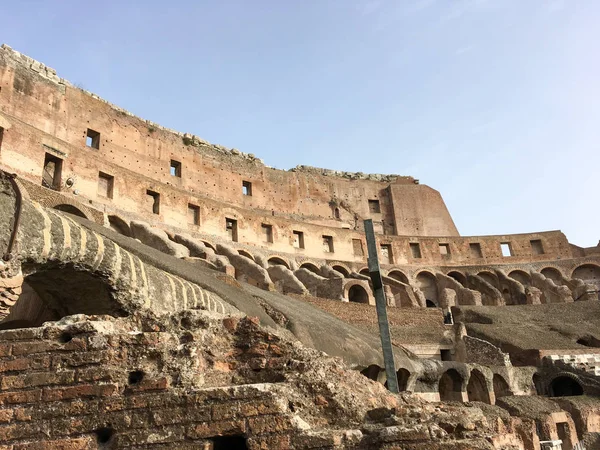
(430, 304)
(450, 386)
(71, 210)
(311, 267)
(565, 387)
(119, 225)
(277, 262)
(403, 376)
(341, 270)
(246, 254)
(501, 388)
(358, 294)
(477, 388)
(397, 275)
(364, 271)
(371, 372)
(458, 277)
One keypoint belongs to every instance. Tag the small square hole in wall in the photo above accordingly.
(536, 247)
(267, 232)
(357, 247)
(231, 226)
(445, 249)
(154, 198)
(92, 139)
(298, 239)
(193, 214)
(106, 184)
(374, 207)
(175, 168)
(247, 188)
(475, 250)
(415, 250)
(386, 254)
(506, 249)
(328, 244)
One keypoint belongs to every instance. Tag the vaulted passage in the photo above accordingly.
(358, 294)
(501, 388)
(403, 376)
(477, 388)
(565, 387)
(450, 386)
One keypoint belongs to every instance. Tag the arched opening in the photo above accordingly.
(490, 278)
(341, 269)
(430, 304)
(336, 213)
(311, 267)
(209, 245)
(461, 278)
(71, 210)
(372, 372)
(588, 273)
(358, 294)
(274, 261)
(553, 274)
(403, 375)
(538, 386)
(477, 390)
(521, 276)
(119, 225)
(364, 271)
(450, 386)
(246, 254)
(427, 283)
(501, 388)
(564, 386)
(398, 275)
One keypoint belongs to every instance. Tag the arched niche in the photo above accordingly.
(553, 274)
(358, 294)
(427, 283)
(119, 225)
(246, 254)
(65, 207)
(458, 276)
(490, 278)
(341, 269)
(501, 388)
(564, 386)
(310, 266)
(276, 261)
(589, 273)
(450, 386)
(477, 390)
(399, 276)
(521, 276)
(403, 376)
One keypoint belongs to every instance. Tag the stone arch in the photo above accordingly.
(450, 386)
(246, 254)
(341, 269)
(403, 375)
(565, 385)
(490, 278)
(398, 275)
(119, 225)
(209, 245)
(477, 389)
(311, 267)
(373, 372)
(71, 209)
(277, 261)
(501, 388)
(358, 294)
(553, 273)
(364, 271)
(458, 276)
(521, 276)
(589, 273)
(427, 283)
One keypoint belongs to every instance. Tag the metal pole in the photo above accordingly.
(380, 302)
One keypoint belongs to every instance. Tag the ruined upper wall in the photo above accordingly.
(49, 115)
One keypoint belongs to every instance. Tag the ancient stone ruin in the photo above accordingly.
(159, 291)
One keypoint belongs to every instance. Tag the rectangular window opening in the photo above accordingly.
(537, 247)
(328, 244)
(445, 355)
(475, 250)
(106, 184)
(193, 214)
(175, 169)
(154, 198)
(357, 247)
(298, 239)
(386, 254)
(415, 250)
(445, 249)
(506, 249)
(231, 226)
(267, 232)
(51, 176)
(374, 206)
(92, 139)
(247, 188)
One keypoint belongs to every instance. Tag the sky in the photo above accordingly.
(494, 103)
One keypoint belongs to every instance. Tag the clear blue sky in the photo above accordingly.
(495, 103)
